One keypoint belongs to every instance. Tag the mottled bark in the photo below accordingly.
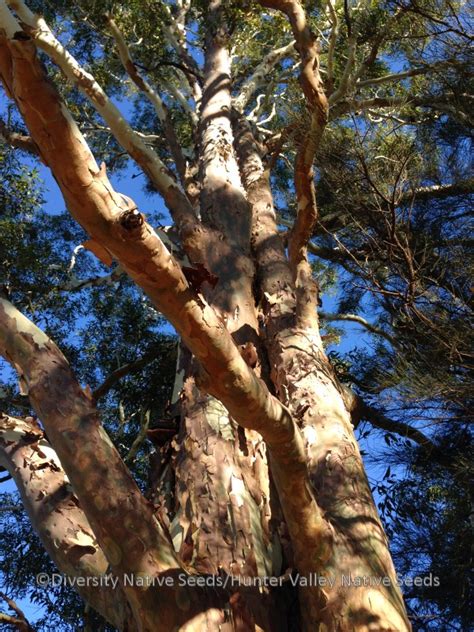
(131, 538)
(306, 382)
(217, 462)
(269, 376)
(56, 516)
(307, 212)
(223, 202)
(273, 270)
(111, 220)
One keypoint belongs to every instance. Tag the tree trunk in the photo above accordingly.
(265, 478)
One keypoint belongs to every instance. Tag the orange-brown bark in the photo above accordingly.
(311, 83)
(305, 426)
(123, 521)
(111, 221)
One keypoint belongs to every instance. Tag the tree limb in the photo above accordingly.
(274, 273)
(17, 622)
(259, 76)
(55, 514)
(399, 76)
(154, 98)
(361, 321)
(22, 622)
(132, 143)
(121, 372)
(344, 83)
(445, 102)
(317, 102)
(378, 419)
(175, 35)
(332, 43)
(17, 140)
(463, 187)
(377, 43)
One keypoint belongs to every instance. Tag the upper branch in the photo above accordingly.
(361, 321)
(133, 144)
(121, 372)
(399, 76)
(20, 621)
(434, 191)
(154, 98)
(260, 76)
(317, 102)
(17, 140)
(175, 34)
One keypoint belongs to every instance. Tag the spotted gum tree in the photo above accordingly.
(260, 474)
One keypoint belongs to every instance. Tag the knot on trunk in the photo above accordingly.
(131, 219)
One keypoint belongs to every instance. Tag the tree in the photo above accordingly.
(257, 472)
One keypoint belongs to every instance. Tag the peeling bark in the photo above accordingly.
(111, 220)
(306, 382)
(312, 86)
(222, 479)
(274, 273)
(56, 516)
(245, 426)
(122, 520)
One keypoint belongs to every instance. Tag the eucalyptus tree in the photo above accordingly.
(257, 472)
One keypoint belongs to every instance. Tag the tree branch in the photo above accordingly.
(343, 86)
(17, 622)
(175, 36)
(90, 461)
(378, 419)
(463, 187)
(121, 372)
(274, 273)
(361, 321)
(359, 409)
(21, 622)
(152, 96)
(317, 102)
(332, 43)
(377, 43)
(131, 142)
(55, 515)
(19, 141)
(445, 102)
(259, 76)
(399, 76)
